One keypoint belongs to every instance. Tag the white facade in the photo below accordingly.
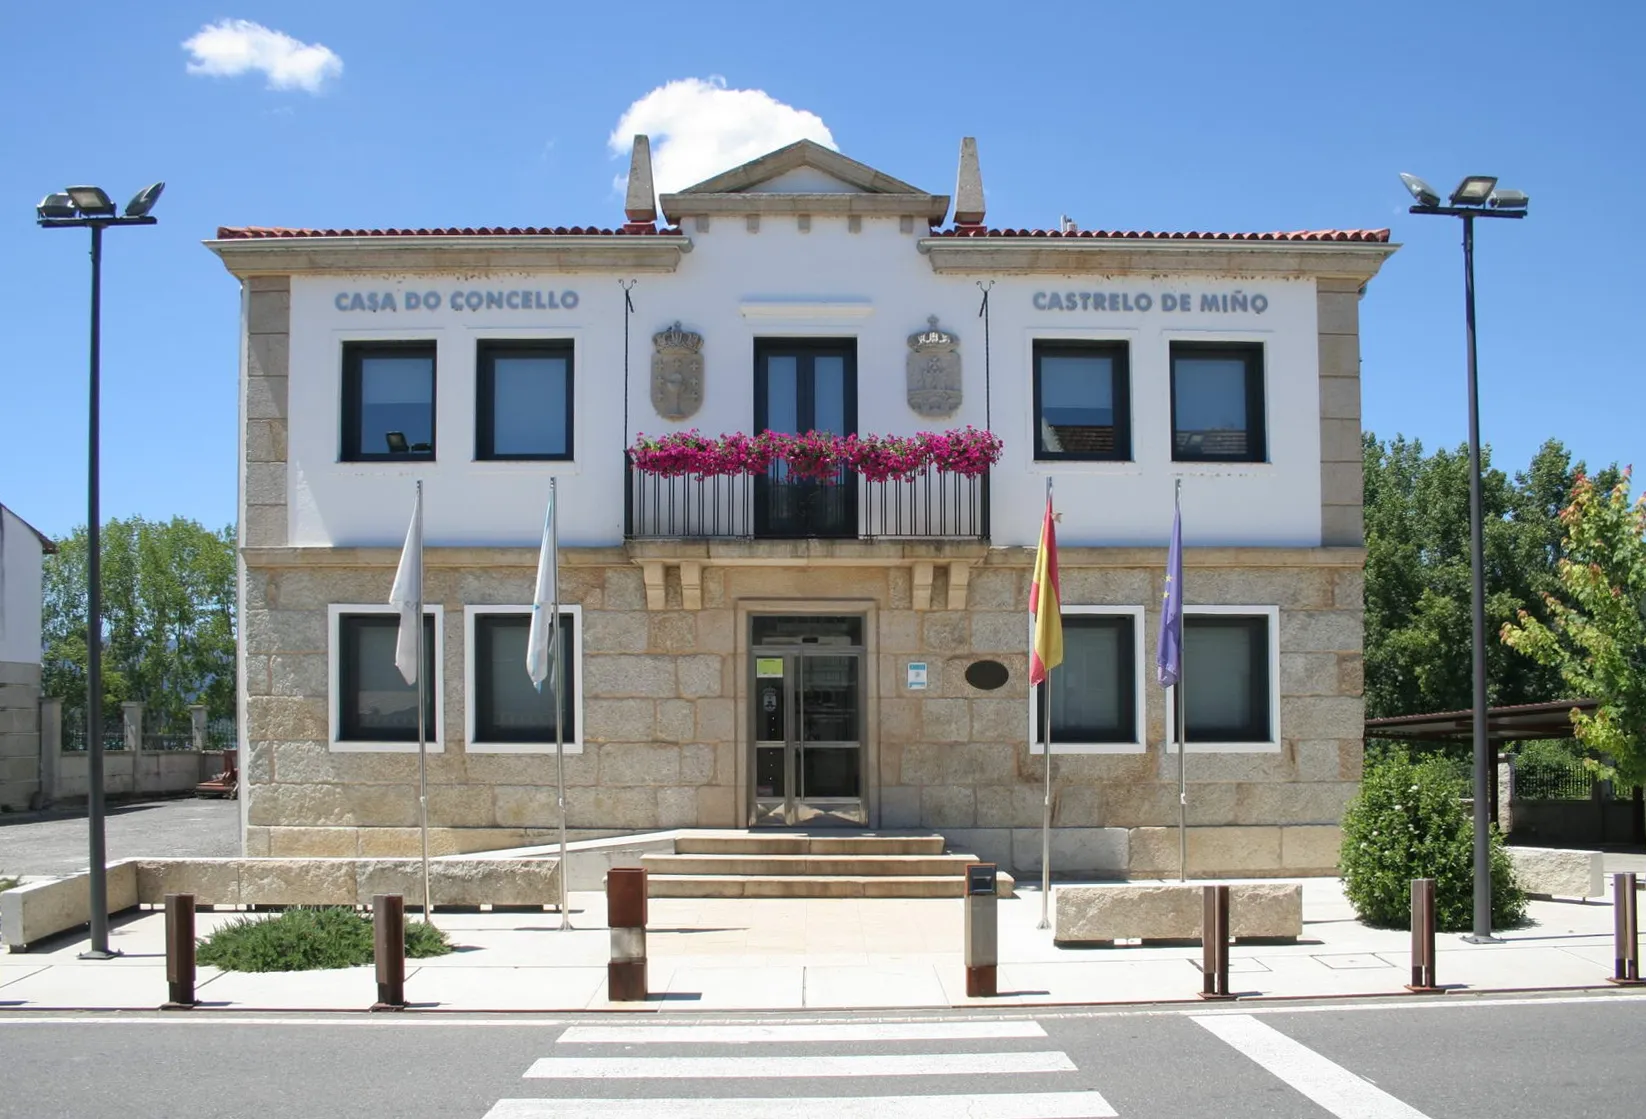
(22, 553)
(874, 286)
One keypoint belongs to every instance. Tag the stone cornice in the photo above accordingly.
(1130, 256)
(932, 207)
(491, 253)
(821, 553)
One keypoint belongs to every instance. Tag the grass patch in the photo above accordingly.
(307, 939)
(6, 884)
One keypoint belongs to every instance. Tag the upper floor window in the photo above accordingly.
(1217, 403)
(388, 400)
(1082, 401)
(524, 400)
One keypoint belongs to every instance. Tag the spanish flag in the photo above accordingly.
(1045, 603)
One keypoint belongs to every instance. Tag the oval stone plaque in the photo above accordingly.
(986, 675)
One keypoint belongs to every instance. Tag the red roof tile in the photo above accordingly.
(250, 232)
(1364, 235)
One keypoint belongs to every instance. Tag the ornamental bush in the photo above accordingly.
(307, 939)
(1409, 821)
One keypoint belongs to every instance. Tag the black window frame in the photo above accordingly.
(1257, 435)
(354, 354)
(487, 351)
(486, 734)
(1120, 392)
(1126, 669)
(1262, 685)
(348, 679)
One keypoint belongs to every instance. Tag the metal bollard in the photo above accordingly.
(1626, 931)
(1214, 943)
(1423, 937)
(982, 931)
(389, 948)
(179, 952)
(626, 917)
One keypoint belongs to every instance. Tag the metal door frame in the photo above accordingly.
(789, 810)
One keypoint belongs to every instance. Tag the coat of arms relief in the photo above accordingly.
(934, 371)
(677, 373)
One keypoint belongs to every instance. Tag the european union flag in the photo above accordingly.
(1169, 653)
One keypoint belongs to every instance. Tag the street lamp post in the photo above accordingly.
(89, 207)
(1477, 196)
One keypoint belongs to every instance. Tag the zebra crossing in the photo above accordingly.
(585, 1054)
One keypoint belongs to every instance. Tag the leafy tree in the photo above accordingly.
(168, 617)
(1594, 629)
(1418, 573)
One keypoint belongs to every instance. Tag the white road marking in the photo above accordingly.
(719, 1034)
(802, 1067)
(1043, 1105)
(1328, 1084)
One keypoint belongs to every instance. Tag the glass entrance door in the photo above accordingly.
(808, 748)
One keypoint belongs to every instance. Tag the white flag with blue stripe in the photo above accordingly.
(545, 600)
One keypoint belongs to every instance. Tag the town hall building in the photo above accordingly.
(812, 638)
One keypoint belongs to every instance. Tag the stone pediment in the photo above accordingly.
(804, 178)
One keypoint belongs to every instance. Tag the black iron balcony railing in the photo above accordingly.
(934, 505)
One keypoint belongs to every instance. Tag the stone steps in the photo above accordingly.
(817, 886)
(782, 843)
(760, 864)
(789, 866)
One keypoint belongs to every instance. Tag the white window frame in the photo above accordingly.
(1140, 716)
(436, 738)
(1272, 613)
(573, 745)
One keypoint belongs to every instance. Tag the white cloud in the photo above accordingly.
(699, 128)
(232, 47)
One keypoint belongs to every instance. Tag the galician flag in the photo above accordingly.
(1169, 654)
(1045, 604)
(545, 603)
(407, 595)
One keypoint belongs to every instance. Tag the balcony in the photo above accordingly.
(777, 505)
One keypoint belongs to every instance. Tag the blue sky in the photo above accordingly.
(1189, 115)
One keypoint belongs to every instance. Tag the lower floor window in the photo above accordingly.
(1091, 698)
(508, 707)
(375, 704)
(1226, 680)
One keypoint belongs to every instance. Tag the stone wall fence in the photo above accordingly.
(131, 771)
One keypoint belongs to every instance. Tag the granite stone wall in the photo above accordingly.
(664, 692)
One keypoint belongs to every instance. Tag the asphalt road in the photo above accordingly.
(1435, 1058)
(57, 842)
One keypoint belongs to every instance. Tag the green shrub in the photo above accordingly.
(306, 939)
(6, 884)
(1407, 822)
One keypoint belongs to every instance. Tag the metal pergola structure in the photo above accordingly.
(1517, 723)
(1503, 724)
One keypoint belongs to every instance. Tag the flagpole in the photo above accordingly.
(422, 728)
(1046, 812)
(1181, 711)
(559, 700)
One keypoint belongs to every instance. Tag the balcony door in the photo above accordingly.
(799, 386)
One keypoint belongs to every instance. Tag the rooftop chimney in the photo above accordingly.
(641, 202)
(968, 187)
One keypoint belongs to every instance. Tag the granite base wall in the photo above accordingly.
(664, 691)
(19, 736)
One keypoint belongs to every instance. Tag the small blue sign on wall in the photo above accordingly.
(917, 676)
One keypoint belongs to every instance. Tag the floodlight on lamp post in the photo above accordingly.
(89, 207)
(1477, 196)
